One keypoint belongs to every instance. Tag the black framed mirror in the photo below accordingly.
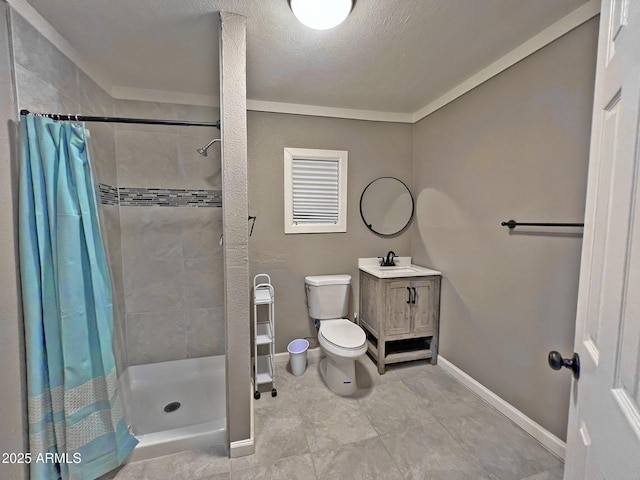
(386, 206)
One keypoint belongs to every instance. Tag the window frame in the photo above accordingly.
(342, 156)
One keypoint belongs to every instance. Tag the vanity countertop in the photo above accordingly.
(403, 268)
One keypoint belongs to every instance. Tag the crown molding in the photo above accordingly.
(550, 34)
(563, 26)
(333, 112)
(163, 96)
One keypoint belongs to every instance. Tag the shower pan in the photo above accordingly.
(175, 406)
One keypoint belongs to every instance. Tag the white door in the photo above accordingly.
(604, 418)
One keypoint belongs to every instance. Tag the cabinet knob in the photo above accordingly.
(414, 295)
(409, 290)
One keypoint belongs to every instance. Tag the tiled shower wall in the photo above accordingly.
(166, 261)
(47, 81)
(171, 225)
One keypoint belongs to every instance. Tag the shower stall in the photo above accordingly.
(161, 221)
(168, 279)
(160, 193)
(160, 224)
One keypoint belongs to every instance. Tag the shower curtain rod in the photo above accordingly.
(146, 121)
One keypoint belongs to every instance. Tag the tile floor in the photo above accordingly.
(413, 422)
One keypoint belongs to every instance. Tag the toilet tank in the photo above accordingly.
(328, 296)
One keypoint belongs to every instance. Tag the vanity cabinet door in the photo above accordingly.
(425, 307)
(398, 317)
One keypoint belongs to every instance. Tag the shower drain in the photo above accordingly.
(172, 407)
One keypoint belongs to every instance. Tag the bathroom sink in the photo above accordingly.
(395, 271)
(403, 268)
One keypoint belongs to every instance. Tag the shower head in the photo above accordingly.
(203, 151)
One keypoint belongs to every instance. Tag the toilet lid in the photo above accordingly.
(343, 333)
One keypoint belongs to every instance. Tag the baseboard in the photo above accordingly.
(542, 435)
(312, 353)
(242, 448)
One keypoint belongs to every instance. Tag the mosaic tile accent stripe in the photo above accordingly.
(107, 194)
(163, 197)
(169, 197)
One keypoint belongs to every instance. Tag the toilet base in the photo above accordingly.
(339, 376)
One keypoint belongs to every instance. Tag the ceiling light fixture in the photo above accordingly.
(321, 14)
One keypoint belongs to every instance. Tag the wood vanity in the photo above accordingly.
(399, 311)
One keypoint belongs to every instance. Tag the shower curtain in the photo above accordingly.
(76, 423)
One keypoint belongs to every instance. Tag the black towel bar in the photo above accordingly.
(513, 224)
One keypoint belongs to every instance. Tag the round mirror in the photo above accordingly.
(386, 206)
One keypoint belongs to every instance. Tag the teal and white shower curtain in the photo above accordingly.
(76, 423)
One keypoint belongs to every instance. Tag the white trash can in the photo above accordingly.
(298, 356)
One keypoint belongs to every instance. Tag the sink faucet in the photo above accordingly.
(388, 261)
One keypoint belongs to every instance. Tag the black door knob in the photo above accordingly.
(557, 362)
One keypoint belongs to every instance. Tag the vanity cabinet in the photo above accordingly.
(400, 317)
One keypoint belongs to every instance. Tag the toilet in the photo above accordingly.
(341, 340)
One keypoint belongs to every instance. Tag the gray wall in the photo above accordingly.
(515, 147)
(375, 149)
(13, 435)
(172, 259)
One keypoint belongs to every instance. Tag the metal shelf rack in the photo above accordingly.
(265, 334)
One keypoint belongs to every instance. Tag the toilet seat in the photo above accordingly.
(343, 334)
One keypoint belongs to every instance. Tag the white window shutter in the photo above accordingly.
(315, 191)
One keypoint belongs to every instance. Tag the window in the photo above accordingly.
(315, 190)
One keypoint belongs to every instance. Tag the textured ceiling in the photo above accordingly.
(389, 55)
